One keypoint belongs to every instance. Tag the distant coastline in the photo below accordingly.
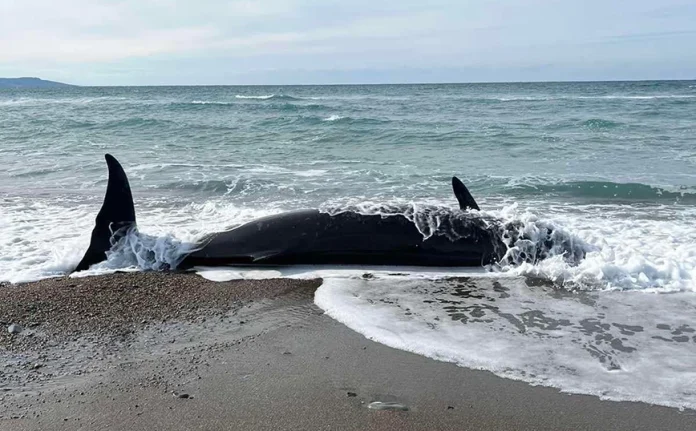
(30, 82)
(33, 82)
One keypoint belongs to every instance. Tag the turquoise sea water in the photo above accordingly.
(610, 166)
(516, 140)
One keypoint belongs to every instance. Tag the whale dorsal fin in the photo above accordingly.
(466, 201)
(116, 212)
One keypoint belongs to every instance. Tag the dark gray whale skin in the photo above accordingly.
(348, 238)
(462, 238)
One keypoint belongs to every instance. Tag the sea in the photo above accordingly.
(610, 166)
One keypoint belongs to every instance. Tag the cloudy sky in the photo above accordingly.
(161, 42)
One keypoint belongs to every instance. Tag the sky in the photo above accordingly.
(215, 42)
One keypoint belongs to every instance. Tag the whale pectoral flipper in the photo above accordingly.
(466, 201)
(117, 212)
(261, 256)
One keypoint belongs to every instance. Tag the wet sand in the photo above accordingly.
(180, 352)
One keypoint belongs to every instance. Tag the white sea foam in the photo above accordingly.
(657, 253)
(615, 345)
(310, 272)
(311, 173)
(41, 239)
(38, 240)
(209, 102)
(333, 118)
(262, 97)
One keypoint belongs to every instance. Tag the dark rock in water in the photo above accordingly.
(352, 394)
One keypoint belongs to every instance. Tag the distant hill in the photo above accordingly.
(30, 83)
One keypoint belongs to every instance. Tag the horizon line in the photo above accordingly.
(588, 81)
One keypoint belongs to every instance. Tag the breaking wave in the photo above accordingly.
(606, 190)
(267, 97)
(139, 251)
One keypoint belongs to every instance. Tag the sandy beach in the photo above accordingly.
(144, 351)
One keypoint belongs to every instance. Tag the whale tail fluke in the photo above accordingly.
(466, 201)
(116, 215)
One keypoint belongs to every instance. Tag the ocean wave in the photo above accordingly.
(136, 123)
(139, 251)
(235, 186)
(289, 108)
(355, 121)
(210, 102)
(215, 187)
(239, 99)
(312, 119)
(276, 103)
(606, 190)
(267, 97)
(646, 97)
(600, 124)
(513, 98)
(20, 101)
(297, 107)
(251, 184)
(32, 172)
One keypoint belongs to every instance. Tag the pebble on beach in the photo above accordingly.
(14, 328)
(117, 305)
(379, 405)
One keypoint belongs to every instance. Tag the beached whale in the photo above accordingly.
(461, 237)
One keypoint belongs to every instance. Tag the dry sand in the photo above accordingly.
(148, 351)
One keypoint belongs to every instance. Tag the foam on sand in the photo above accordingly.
(616, 345)
(309, 272)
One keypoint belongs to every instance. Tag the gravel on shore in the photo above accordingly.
(119, 304)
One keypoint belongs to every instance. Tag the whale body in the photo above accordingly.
(462, 237)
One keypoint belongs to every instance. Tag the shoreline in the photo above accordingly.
(175, 351)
